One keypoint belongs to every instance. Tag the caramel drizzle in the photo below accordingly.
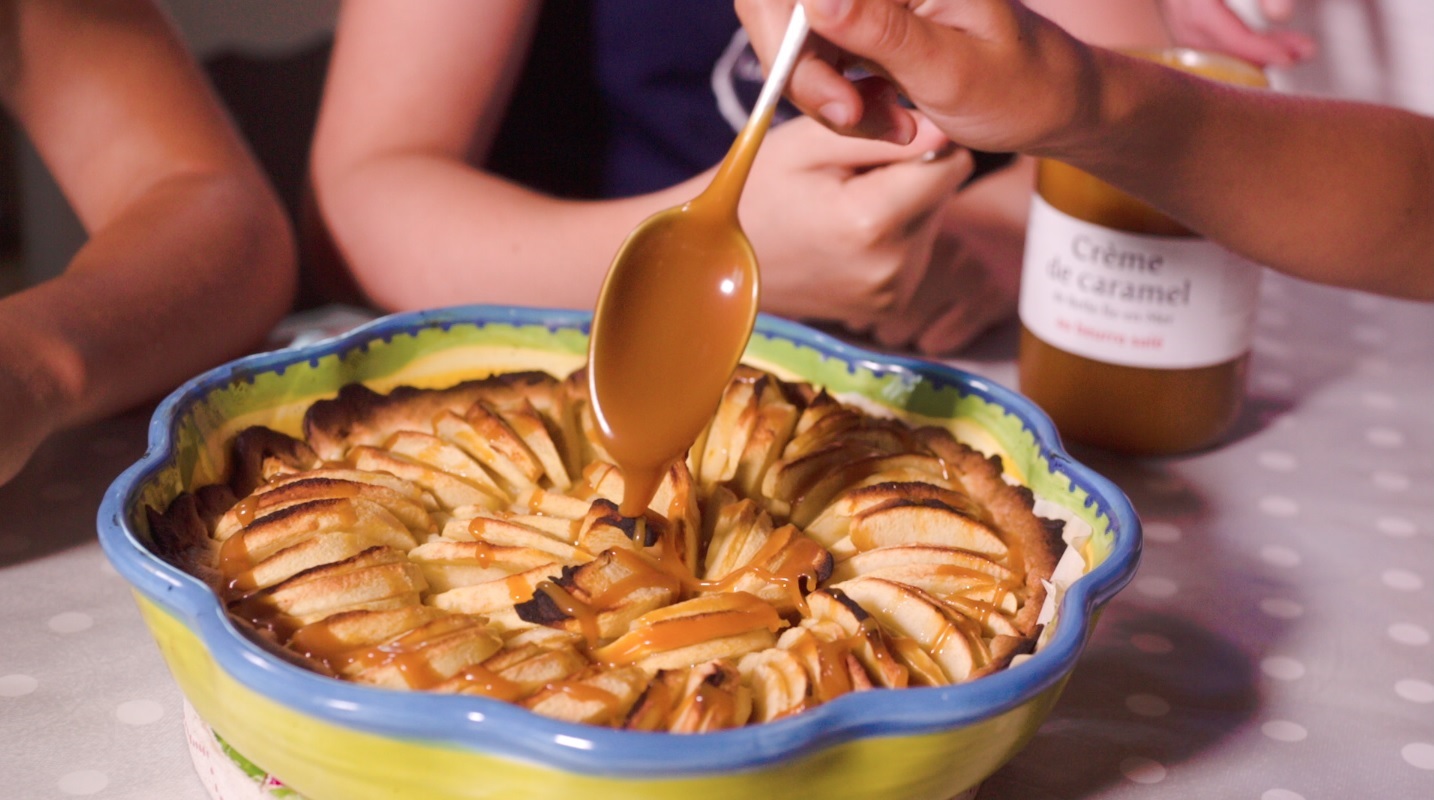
(672, 634)
(476, 679)
(405, 654)
(796, 555)
(581, 692)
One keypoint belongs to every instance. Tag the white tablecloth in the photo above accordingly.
(1274, 646)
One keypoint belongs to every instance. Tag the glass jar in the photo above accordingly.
(1135, 332)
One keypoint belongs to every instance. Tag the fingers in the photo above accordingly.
(910, 189)
(1277, 10)
(1213, 25)
(805, 144)
(816, 85)
(958, 299)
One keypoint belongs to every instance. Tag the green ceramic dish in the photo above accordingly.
(332, 740)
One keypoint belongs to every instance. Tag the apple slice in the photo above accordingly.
(929, 522)
(450, 490)
(910, 613)
(596, 697)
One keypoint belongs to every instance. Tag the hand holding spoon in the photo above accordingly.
(676, 311)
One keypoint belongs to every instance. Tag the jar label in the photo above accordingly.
(1165, 302)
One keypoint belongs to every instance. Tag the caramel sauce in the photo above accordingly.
(580, 692)
(244, 510)
(404, 654)
(475, 679)
(518, 589)
(681, 632)
(673, 318)
(234, 556)
(797, 554)
(1127, 409)
(644, 576)
(574, 609)
(832, 678)
(712, 708)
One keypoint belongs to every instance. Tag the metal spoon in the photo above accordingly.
(676, 311)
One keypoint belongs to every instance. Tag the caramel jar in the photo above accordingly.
(1135, 332)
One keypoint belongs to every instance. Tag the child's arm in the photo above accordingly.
(1331, 191)
(414, 95)
(189, 259)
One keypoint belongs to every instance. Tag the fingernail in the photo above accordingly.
(836, 114)
(828, 9)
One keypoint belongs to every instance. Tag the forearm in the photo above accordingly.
(194, 271)
(1326, 190)
(419, 231)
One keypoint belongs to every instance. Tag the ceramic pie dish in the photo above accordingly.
(332, 739)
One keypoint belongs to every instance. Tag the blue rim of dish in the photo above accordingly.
(500, 729)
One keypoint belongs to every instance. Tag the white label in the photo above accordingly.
(1166, 302)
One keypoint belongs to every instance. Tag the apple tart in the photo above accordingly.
(468, 540)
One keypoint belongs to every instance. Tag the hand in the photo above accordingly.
(1211, 25)
(960, 63)
(844, 229)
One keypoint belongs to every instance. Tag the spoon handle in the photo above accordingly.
(726, 186)
(782, 65)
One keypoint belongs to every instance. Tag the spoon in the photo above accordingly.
(676, 311)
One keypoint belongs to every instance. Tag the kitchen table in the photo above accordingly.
(1275, 644)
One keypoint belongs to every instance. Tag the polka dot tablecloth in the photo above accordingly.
(1275, 645)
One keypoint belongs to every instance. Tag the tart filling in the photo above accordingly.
(468, 540)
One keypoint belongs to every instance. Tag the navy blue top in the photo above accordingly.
(617, 96)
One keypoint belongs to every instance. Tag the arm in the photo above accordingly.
(401, 127)
(189, 259)
(1329, 191)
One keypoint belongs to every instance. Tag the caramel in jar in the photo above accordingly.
(1135, 331)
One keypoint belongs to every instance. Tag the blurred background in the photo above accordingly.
(266, 59)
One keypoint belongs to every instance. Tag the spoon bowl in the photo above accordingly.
(676, 311)
(674, 318)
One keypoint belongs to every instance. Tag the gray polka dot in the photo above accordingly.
(1398, 527)
(1147, 705)
(1282, 730)
(1419, 755)
(1390, 481)
(139, 712)
(1274, 381)
(1402, 579)
(1277, 461)
(1142, 770)
(1280, 608)
(83, 782)
(71, 622)
(1156, 587)
(1162, 532)
(1408, 633)
(1279, 556)
(1384, 437)
(17, 685)
(1283, 668)
(1415, 690)
(1279, 506)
